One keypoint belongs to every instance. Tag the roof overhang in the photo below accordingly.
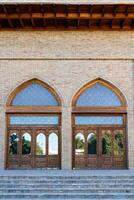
(59, 16)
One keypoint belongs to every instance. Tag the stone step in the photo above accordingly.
(73, 199)
(66, 179)
(48, 174)
(67, 182)
(91, 185)
(67, 196)
(68, 190)
(88, 198)
(96, 198)
(67, 187)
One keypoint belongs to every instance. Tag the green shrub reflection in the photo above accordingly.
(106, 144)
(118, 144)
(26, 144)
(39, 150)
(13, 144)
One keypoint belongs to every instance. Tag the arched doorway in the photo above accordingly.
(33, 114)
(99, 120)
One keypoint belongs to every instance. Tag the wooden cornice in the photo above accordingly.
(66, 16)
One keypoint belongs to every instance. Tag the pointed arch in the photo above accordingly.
(99, 111)
(29, 83)
(105, 84)
(33, 110)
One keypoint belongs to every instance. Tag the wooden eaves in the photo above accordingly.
(66, 16)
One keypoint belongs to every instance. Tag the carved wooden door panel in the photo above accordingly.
(105, 148)
(79, 139)
(26, 148)
(13, 144)
(85, 148)
(47, 148)
(112, 148)
(34, 148)
(99, 147)
(119, 148)
(40, 148)
(92, 148)
(54, 150)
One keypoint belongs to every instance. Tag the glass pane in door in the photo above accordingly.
(92, 144)
(13, 143)
(53, 144)
(26, 144)
(79, 144)
(41, 144)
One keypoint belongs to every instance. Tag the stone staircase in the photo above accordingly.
(69, 187)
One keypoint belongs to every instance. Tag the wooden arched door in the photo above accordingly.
(33, 114)
(99, 116)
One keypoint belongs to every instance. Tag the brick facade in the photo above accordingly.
(67, 60)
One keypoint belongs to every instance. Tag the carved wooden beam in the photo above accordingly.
(31, 16)
(122, 23)
(103, 10)
(18, 11)
(43, 12)
(127, 10)
(116, 16)
(7, 16)
(64, 16)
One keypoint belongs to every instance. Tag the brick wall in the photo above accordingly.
(67, 60)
